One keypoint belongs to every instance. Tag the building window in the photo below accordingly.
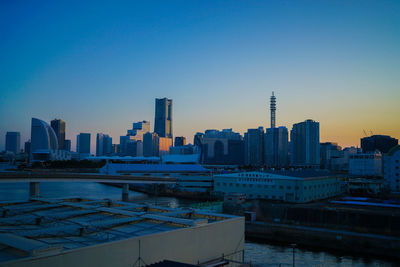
(218, 183)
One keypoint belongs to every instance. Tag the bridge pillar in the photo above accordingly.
(34, 189)
(125, 192)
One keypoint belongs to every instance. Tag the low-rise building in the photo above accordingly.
(392, 169)
(297, 186)
(366, 164)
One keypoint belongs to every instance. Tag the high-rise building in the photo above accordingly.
(304, 144)
(276, 147)
(83, 143)
(180, 141)
(382, 143)
(43, 141)
(150, 145)
(254, 146)
(103, 145)
(139, 129)
(163, 117)
(58, 126)
(27, 147)
(13, 142)
(273, 110)
(328, 152)
(67, 145)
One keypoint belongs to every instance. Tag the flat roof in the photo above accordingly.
(40, 226)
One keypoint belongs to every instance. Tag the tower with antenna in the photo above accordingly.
(273, 109)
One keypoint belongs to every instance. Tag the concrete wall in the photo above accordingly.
(190, 245)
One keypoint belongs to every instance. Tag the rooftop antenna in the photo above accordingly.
(273, 109)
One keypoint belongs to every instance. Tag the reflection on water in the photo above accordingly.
(258, 254)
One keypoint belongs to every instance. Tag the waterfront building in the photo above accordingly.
(391, 171)
(90, 232)
(366, 164)
(103, 144)
(295, 186)
(83, 143)
(163, 117)
(382, 143)
(304, 144)
(254, 147)
(221, 147)
(13, 142)
(43, 140)
(58, 126)
(276, 148)
(180, 141)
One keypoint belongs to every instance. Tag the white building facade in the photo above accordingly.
(391, 171)
(287, 186)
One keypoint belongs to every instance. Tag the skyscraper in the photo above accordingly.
(58, 126)
(272, 108)
(83, 143)
(103, 144)
(163, 117)
(13, 142)
(43, 139)
(276, 147)
(254, 146)
(304, 144)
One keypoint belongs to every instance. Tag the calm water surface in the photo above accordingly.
(258, 254)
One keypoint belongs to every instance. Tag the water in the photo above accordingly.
(259, 254)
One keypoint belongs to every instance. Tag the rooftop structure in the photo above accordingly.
(87, 232)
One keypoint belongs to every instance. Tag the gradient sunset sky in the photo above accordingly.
(99, 65)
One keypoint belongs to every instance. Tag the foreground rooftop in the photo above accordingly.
(41, 227)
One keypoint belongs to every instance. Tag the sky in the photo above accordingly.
(99, 65)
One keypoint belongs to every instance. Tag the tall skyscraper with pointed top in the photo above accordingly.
(273, 109)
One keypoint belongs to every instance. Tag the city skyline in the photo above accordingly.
(336, 63)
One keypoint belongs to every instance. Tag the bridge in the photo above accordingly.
(34, 179)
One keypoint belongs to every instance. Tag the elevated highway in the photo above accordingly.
(34, 178)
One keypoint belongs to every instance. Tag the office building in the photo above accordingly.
(13, 142)
(391, 170)
(103, 145)
(150, 145)
(276, 149)
(67, 145)
(304, 144)
(254, 147)
(139, 129)
(366, 164)
(382, 143)
(83, 143)
(59, 129)
(100, 232)
(27, 147)
(180, 141)
(163, 117)
(297, 186)
(221, 147)
(328, 152)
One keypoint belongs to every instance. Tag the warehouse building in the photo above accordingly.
(83, 232)
(296, 186)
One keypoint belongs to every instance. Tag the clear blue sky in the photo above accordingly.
(99, 65)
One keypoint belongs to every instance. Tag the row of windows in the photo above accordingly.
(271, 186)
(260, 180)
(253, 175)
